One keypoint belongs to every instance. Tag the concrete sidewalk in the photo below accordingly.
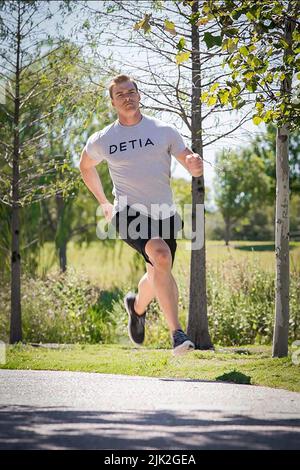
(75, 410)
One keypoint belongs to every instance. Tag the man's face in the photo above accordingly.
(125, 98)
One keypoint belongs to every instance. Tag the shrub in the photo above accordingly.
(62, 308)
(241, 304)
(66, 308)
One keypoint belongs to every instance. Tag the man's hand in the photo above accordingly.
(194, 164)
(107, 208)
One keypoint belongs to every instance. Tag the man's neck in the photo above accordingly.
(130, 120)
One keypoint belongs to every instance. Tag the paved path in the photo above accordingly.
(73, 410)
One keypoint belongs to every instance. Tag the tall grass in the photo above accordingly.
(241, 299)
(61, 308)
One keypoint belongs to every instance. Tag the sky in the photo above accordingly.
(240, 138)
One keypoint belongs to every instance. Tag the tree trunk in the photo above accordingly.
(281, 326)
(197, 319)
(227, 230)
(61, 232)
(16, 317)
(63, 257)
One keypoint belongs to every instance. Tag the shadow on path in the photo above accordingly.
(25, 427)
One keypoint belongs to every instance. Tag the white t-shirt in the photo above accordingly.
(139, 162)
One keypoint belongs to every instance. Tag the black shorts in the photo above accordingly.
(137, 229)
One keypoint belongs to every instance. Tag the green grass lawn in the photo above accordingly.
(250, 364)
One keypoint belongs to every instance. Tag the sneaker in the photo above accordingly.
(181, 343)
(136, 323)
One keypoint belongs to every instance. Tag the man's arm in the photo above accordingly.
(92, 180)
(191, 161)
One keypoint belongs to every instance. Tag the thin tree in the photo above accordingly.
(35, 70)
(265, 58)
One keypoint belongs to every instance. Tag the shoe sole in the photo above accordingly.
(128, 329)
(184, 348)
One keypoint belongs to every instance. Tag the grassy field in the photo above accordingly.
(116, 266)
(248, 365)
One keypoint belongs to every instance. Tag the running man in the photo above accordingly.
(138, 151)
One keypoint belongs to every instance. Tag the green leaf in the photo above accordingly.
(211, 40)
(251, 86)
(231, 32)
(296, 35)
(277, 10)
(284, 43)
(230, 44)
(224, 96)
(203, 21)
(269, 78)
(259, 106)
(194, 17)
(143, 24)
(250, 16)
(212, 100)
(181, 43)
(235, 90)
(206, 9)
(249, 75)
(255, 62)
(236, 13)
(244, 51)
(182, 57)
(257, 120)
(240, 103)
(268, 116)
(214, 87)
(170, 27)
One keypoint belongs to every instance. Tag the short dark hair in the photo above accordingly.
(120, 79)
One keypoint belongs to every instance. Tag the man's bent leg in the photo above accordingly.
(146, 291)
(165, 287)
